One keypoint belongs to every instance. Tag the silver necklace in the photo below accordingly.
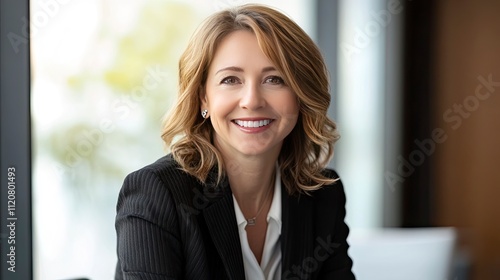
(252, 221)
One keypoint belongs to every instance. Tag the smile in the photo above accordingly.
(258, 123)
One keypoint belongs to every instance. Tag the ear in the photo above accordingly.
(203, 98)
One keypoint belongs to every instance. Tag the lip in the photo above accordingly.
(253, 129)
(253, 119)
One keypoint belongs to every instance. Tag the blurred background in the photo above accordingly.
(415, 92)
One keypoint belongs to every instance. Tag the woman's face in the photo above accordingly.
(250, 105)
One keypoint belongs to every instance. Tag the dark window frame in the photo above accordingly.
(15, 138)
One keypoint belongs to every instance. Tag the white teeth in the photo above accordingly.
(252, 123)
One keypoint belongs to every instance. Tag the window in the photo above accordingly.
(104, 73)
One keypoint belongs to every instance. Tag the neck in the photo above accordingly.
(252, 180)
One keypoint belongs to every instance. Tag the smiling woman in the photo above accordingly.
(244, 193)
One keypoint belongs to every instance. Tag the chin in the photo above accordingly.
(252, 152)
(250, 149)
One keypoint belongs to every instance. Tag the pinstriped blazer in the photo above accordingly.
(171, 227)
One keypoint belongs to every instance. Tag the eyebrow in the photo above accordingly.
(239, 69)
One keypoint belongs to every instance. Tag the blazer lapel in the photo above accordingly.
(297, 235)
(221, 222)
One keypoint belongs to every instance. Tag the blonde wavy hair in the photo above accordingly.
(307, 149)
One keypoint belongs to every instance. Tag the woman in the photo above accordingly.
(243, 193)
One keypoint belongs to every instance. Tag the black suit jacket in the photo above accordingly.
(171, 227)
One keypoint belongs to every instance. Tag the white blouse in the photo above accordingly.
(270, 265)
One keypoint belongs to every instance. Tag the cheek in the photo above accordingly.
(289, 108)
(220, 105)
(292, 113)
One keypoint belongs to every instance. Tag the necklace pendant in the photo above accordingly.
(251, 222)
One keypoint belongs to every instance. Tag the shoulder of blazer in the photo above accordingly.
(189, 195)
(330, 196)
(170, 173)
(336, 186)
(148, 192)
(166, 165)
(330, 173)
(168, 170)
(326, 192)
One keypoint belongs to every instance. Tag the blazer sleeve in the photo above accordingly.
(148, 244)
(338, 266)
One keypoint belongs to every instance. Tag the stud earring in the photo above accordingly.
(204, 113)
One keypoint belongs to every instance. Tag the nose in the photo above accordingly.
(252, 98)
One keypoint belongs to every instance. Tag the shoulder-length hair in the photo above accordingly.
(307, 149)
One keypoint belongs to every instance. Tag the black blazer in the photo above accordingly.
(171, 227)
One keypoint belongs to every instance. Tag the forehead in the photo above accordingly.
(239, 48)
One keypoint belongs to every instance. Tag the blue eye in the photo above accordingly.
(275, 80)
(229, 80)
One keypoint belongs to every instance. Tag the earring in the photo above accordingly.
(204, 113)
